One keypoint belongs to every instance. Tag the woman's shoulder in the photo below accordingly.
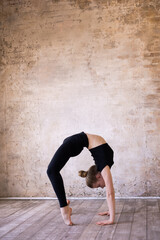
(94, 140)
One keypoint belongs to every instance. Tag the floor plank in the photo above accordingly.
(41, 220)
(124, 225)
(11, 214)
(107, 232)
(17, 225)
(90, 228)
(138, 230)
(153, 220)
(10, 207)
(158, 204)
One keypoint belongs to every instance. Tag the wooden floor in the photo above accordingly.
(136, 219)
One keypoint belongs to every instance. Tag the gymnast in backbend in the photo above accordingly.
(98, 175)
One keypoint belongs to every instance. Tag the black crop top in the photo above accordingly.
(103, 156)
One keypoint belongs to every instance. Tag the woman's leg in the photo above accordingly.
(59, 159)
(72, 146)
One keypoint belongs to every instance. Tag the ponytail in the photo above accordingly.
(90, 175)
(82, 173)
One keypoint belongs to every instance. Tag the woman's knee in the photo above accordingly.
(51, 170)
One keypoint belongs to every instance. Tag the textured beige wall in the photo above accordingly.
(71, 66)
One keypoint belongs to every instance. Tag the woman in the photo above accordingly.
(98, 175)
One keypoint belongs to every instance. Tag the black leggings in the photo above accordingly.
(71, 147)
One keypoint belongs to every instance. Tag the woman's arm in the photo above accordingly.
(106, 174)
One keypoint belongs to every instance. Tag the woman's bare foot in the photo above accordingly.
(66, 214)
(68, 202)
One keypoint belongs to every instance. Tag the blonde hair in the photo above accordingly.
(90, 175)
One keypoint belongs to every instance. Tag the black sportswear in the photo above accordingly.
(103, 156)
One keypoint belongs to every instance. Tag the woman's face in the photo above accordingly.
(100, 181)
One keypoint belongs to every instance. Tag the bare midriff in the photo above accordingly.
(94, 140)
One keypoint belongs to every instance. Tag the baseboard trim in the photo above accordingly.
(72, 198)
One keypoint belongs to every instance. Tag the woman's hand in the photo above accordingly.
(105, 222)
(66, 214)
(104, 213)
